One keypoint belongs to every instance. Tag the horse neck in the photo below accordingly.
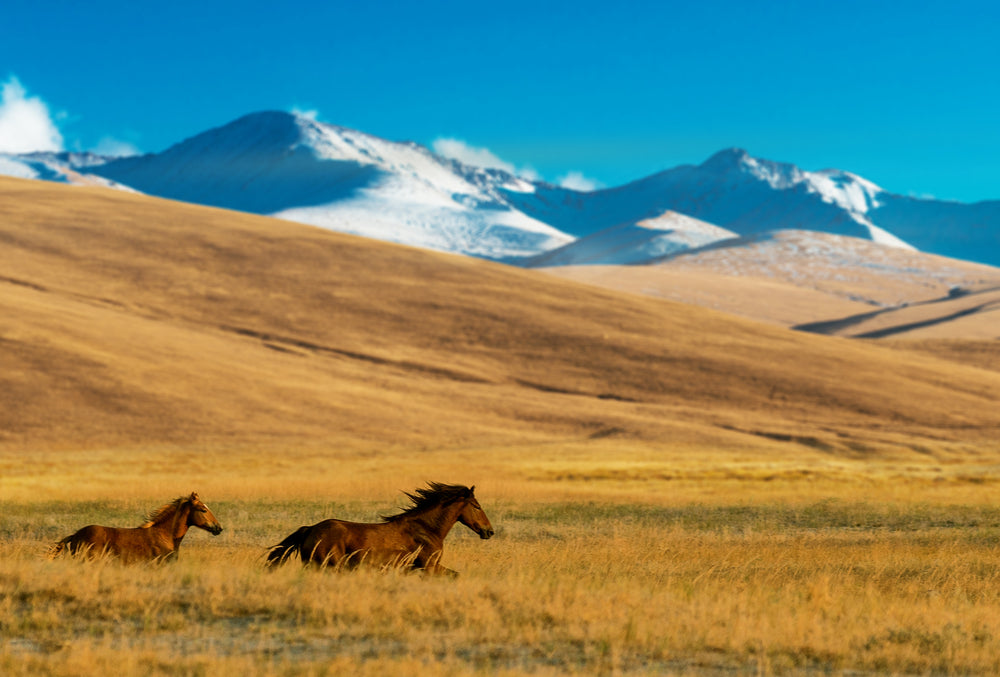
(442, 518)
(180, 525)
(177, 523)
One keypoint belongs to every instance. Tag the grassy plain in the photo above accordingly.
(636, 566)
(675, 490)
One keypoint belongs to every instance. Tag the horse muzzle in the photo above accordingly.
(485, 534)
(215, 529)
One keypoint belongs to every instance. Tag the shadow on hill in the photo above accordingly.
(842, 327)
(255, 182)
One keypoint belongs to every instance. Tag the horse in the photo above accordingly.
(412, 539)
(157, 539)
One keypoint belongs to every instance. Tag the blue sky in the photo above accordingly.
(905, 94)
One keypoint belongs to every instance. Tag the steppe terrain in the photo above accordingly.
(822, 283)
(676, 490)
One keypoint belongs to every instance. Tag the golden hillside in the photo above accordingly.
(130, 321)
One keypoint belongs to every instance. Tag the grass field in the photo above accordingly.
(674, 490)
(851, 568)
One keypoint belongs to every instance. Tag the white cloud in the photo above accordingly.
(470, 155)
(311, 113)
(529, 174)
(25, 122)
(114, 147)
(577, 181)
(457, 149)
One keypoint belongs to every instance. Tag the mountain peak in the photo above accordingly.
(256, 132)
(736, 160)
(267, 117)
(728, 160)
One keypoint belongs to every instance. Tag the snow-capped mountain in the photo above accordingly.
(731, 190)
(296, 168)
(625, 244)
(749, 196)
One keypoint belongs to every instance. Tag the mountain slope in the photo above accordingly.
(803, 277)
(969, 314)
(68, 168)
(295, 168)
(132, 322)
(666, 235)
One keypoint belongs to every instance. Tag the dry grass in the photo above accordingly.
(890, 570)
(801, 278)
(759, 298)
(130, 322)
(675, 491)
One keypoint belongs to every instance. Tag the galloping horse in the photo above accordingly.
(414, 538)
(157, 539)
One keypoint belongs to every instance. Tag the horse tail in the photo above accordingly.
(56, 549)
(277, 554)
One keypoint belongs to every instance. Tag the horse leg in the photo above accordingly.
(432, 565)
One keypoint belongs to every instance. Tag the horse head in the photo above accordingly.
(201, 517)
(472, 516)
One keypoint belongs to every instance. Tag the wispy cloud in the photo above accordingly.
(310, 113)
(25, 122)
(577, 181)
(456, 149)
(115, 147)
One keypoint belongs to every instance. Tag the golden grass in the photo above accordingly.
(891, 569)
(906, 292)
(675, 491)
(759, 298)
(802, 287)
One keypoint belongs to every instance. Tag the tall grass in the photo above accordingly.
(736, 584)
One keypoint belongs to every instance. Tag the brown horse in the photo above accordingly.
(158, 539)
(412, 539)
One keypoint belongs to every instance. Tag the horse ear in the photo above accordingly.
(194, 495)
(472, 489)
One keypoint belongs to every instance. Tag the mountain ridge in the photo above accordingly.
(296, 168)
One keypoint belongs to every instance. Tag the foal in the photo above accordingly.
(157, 539)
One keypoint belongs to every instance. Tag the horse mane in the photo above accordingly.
(163, 512)
(433, 495)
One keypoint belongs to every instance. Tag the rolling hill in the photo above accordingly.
(816, 281)
(131, 322)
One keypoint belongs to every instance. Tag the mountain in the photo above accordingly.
(731, 190)
(750, 196)
(296, 168)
